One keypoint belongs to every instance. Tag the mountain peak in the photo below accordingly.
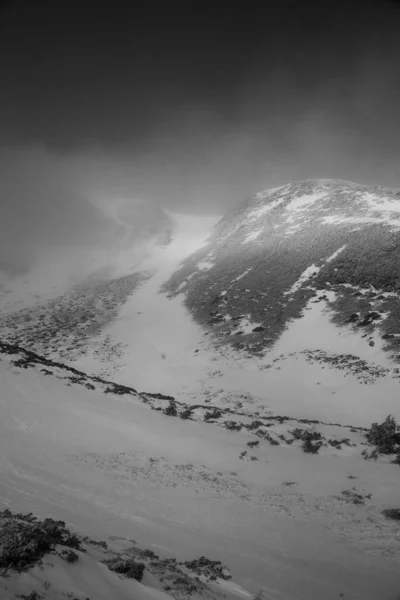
(273, 253)
(291, 207)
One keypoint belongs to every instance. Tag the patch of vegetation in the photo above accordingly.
(212, 569)
(254, 425)
(186, 414)
(354, 497)
(185, 585)
(128, 567)
(118, 389)
(310, 447)
(215, 413)
(339, 443)
(171, 410)
(233, 426)
(385, 436)
(46, 371)
(69, 555)
(312, 440)
(33, 595)
(392, 513)
(146, 553)
(25, 541)
(23, 363)
(158, 396)
(297, 433)
(271, 440)
(253, 444)
(78, 379)
(96, 543)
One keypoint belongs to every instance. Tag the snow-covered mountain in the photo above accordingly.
(209, 393)
(299, 280)
(312, 239)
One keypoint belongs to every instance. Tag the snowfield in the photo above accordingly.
(77, 455)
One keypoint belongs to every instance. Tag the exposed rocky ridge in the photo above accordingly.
(267, 258)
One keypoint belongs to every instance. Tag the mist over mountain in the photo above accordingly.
(199, 300)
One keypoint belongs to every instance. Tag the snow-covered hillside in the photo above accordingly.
(137, 472)
(295, 322)
(255, 351)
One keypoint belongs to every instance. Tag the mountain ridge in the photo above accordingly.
(289, 243)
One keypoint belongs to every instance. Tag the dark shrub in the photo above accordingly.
(25, 542)
(384, 436)
(311, 448)
(128, 567)
(392, 513)
(233, 426)
(308, 437)
(69, 555)
(252, 444)
(297, 433)
(213, 414)
(34, 595)
(96, 543)
(354, 497)
(186, 414)
(209, 568)
(171, 411)
(254, 425)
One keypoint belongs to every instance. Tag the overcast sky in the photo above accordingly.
(192, 106)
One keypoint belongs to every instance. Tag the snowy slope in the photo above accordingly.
(269, 323)
(110, 466)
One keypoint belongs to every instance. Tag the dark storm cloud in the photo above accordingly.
(194, 108)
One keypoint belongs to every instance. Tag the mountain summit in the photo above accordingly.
(268, 257)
